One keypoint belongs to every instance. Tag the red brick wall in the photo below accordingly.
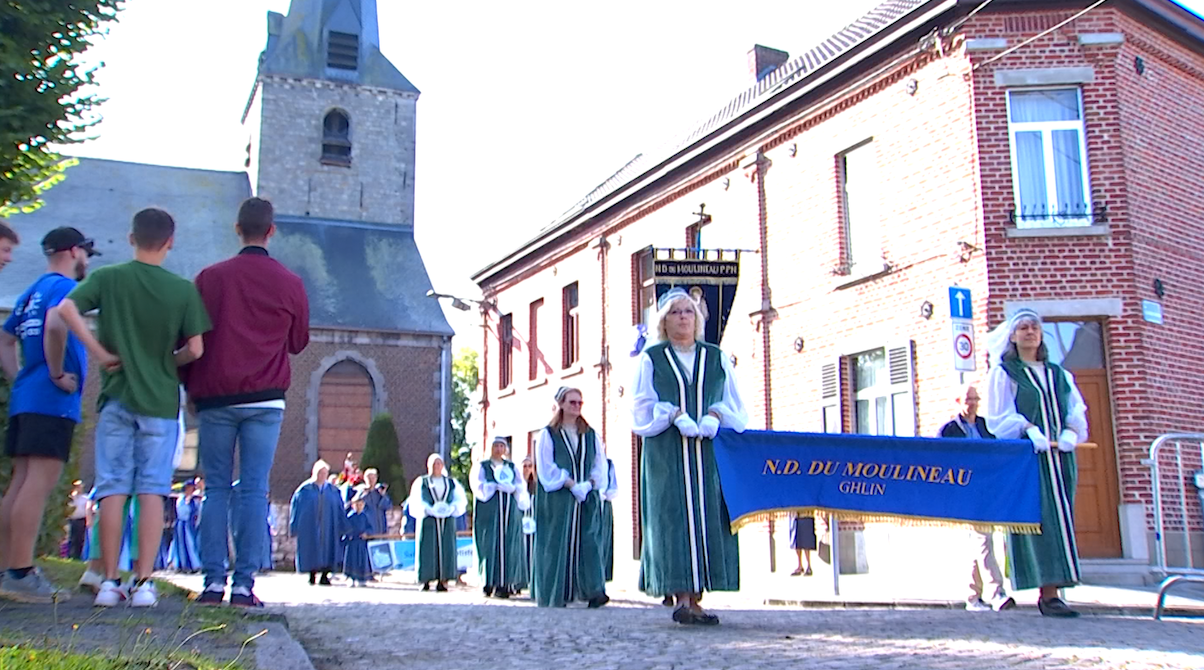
(1140, 147)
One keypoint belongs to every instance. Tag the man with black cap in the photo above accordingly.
(43, 411)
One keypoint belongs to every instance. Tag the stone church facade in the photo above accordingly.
(331, 126)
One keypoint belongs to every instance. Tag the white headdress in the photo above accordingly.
(999, 339)
(665, 304)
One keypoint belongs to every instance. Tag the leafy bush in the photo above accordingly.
(382, 450)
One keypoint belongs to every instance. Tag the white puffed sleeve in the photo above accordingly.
(732, 413)
(612, 488)
(1003, 420)
(482, 489)
(600, 473)
(650, 416)
(459, 501)
(522, 497)
(551, 476)
(418, 507)
(1076, 414)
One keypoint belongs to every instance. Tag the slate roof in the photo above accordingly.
(296, 44)
(813, 59)
(358, 276)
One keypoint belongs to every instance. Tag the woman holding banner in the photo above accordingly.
(570, 464)
(500, 498)
(1030, 396)
(685, 390)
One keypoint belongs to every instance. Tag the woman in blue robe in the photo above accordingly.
(356, 564)
(377, 502)
(316, 519)
(184, 551)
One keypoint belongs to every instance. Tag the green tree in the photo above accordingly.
(43, 103)
(465, 377)
(382, 450)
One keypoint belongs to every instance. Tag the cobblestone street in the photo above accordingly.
(394, 625)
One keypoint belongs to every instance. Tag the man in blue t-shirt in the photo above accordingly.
(43, 412)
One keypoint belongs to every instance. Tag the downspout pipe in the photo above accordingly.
(766, 316)
(445, 400)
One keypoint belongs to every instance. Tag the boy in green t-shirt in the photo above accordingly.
(146, 312)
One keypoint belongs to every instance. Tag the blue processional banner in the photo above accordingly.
(985, 484)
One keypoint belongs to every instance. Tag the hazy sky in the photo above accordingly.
(525, 106)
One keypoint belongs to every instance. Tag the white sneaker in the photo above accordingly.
(145, 595)
(91, 580)
(111, 594)
(977, 605)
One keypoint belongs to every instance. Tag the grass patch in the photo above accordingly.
(19, 657)
(65, 574)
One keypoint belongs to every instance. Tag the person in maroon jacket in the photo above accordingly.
(260, 315)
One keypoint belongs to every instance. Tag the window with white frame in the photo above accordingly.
(884, 398)
(1049, 158)
(859, 192)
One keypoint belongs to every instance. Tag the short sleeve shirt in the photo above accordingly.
(33, 391)
(146, 314)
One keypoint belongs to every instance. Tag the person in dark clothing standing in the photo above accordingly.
(260, 314)
(985, 577)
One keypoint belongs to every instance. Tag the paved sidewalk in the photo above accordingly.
(405, 627)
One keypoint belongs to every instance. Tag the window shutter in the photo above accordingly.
(831, 418)
(900, 359)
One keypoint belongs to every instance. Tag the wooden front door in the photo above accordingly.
(344, 413)
(1097, 501)
(1079, 346)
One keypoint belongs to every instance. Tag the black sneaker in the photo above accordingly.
(244, 597)
(1055, 607)
(212, 597)
(598, 601)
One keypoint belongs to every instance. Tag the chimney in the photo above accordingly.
(764, 60)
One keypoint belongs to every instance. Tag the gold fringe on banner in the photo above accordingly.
(762, 516)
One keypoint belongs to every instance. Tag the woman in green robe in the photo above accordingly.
(570, 465)
(435, 502)
(500, 499)
(685, 391)
(1030, 396)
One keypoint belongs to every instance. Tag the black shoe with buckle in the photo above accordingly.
(1055, 607)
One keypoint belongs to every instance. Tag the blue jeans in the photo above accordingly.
(255, 431)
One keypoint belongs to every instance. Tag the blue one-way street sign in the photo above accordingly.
(960, 305)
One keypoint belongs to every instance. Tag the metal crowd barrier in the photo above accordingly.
(1173, 465)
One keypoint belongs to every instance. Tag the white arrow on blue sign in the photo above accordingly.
(960, 305)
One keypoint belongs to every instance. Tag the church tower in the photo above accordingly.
(330, 119)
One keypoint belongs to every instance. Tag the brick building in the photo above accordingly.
(331, 126)
(1027, 151)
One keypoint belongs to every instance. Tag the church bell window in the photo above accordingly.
(336, 139)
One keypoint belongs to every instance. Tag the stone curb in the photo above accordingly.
(1085, 608)
(277, 650)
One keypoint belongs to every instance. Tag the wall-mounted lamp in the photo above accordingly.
(1159, 288)
(798, 344)
(727, 183)
(1139, 65)
(912, 86)
(793, 150)
(926, 309)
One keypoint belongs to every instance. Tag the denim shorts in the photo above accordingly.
(134, 452)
